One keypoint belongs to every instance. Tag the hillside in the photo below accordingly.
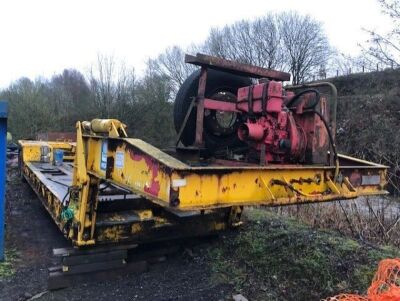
(368, 118)
(367, 83)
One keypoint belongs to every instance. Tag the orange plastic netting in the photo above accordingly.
(385, 285)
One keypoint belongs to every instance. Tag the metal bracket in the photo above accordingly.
(189, 111)
(235, 67)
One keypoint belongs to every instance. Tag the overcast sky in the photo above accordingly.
(42, 37)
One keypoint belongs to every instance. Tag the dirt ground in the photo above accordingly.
(31, 235)
(271, 257)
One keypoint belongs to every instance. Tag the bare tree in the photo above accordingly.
(286, 41)
(385, 48)
(253, 42)
(342, 64)
(153, 109)
(267, 42)
(101, 83)
(111, 84)
(171, 63)
(111, 90)
(69, 96)
(305, 43)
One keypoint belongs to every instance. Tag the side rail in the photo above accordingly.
(151, 173)
(43, 151)
(71, 192)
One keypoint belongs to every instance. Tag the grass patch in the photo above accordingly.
(7, 266)
(272, 258)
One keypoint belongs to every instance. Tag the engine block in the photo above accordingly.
(282, 127)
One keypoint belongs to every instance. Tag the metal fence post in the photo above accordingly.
(3, 172)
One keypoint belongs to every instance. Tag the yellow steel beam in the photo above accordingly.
(33, 150)
(146, 170)
(171, 183)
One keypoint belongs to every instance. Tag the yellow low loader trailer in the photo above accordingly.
(111, 189)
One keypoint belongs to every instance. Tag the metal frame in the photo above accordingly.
(233, 67)
(203, 103)
(333, 107)
(105, 213)
(210, 62)
(174, 199)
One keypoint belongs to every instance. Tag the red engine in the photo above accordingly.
(280, 129)
(218, 108)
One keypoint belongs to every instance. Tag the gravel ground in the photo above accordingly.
(31, 235)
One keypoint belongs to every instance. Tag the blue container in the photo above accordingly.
(58, 157)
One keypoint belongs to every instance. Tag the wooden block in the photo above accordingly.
(93, 267)
(55, 269)
(137, 255)
(92, 250)
(62, 251)
(92, 258)
(58, 280)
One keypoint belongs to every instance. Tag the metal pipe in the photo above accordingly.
(333, 113)
(104, 125)
(200, 107)
(334, 99)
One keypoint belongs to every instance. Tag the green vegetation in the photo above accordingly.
(56, 104)
(367, 117)
(7, 266)
(272, 258)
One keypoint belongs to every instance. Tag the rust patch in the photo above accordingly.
(355, 178)
(301, 181)
(153, 167)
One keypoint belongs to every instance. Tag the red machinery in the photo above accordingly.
(272, 124)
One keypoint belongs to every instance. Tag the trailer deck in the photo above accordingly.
(121, 216)
(121, 190)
